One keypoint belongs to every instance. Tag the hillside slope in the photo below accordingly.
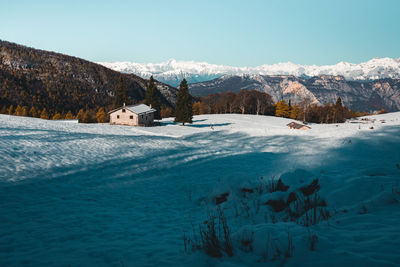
(58, 82)
(362, 96)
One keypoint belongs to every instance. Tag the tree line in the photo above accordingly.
(182, 112)
(260, 103)
(244, 102)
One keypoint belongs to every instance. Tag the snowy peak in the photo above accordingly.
(173, 71)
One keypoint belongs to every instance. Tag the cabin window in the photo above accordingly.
(131, 117)
(123, 110)
(117, 116)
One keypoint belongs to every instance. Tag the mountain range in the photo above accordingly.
(43, 79)
(357, 95)
(172, 71)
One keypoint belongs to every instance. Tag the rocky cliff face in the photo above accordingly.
(358, 95)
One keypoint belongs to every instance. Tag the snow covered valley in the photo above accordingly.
(106, 195)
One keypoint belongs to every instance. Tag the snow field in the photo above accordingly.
(99, 194)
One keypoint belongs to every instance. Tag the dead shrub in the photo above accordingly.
(274, 186)
(308, 211)
(311, 188)
(246, 241)
(277, 205)
(313, 240)
(221, 198)
(214, 237)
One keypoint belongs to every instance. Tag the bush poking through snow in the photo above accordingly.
(305, 208)
(311, 188)
(313, 240)
(215, 237)
(274, 250)
(246, 241)
(308, 211)
(221, 198)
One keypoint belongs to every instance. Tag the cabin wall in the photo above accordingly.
(146, 119)
(124, 118)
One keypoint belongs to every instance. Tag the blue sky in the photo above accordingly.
(238, 33)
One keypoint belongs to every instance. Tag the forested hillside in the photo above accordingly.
(59, 83)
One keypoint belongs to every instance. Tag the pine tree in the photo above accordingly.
(33, 112)
(69, 116)
(121, 93)
(79, 116)
(339, 111)
(101, 116)
(24, 111)
(153, 98)
(184, 109)
(3, 110)
(57, 116)
(11, 110)
(44, 114)
(282, 109)
(18, 111)
(339, 102)
(87, 117)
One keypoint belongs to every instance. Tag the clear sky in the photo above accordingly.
(229, 32)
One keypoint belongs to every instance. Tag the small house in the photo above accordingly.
(135, 115)
(297, 126)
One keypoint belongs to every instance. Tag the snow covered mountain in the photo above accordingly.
(173, 71)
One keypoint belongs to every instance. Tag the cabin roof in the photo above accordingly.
(296, 125)
(137, 109)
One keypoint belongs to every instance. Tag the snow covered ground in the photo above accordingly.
(106, 195)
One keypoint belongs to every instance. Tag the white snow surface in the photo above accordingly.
(108, 195)
(173, 70)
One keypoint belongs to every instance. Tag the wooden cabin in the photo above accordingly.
(297, 126)
(135, 115)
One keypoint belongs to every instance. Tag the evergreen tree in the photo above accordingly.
(18, 111)
(121, 93)
(183, 109)
(24, 111)
(11, 110)
(87, 117)
(339, 111)
(101, 116)
(33, 112)
(339, 102)
(44, 114)
(69, 116)
(4, 110)
(57, 116)
(153, 98)
(79, 116)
